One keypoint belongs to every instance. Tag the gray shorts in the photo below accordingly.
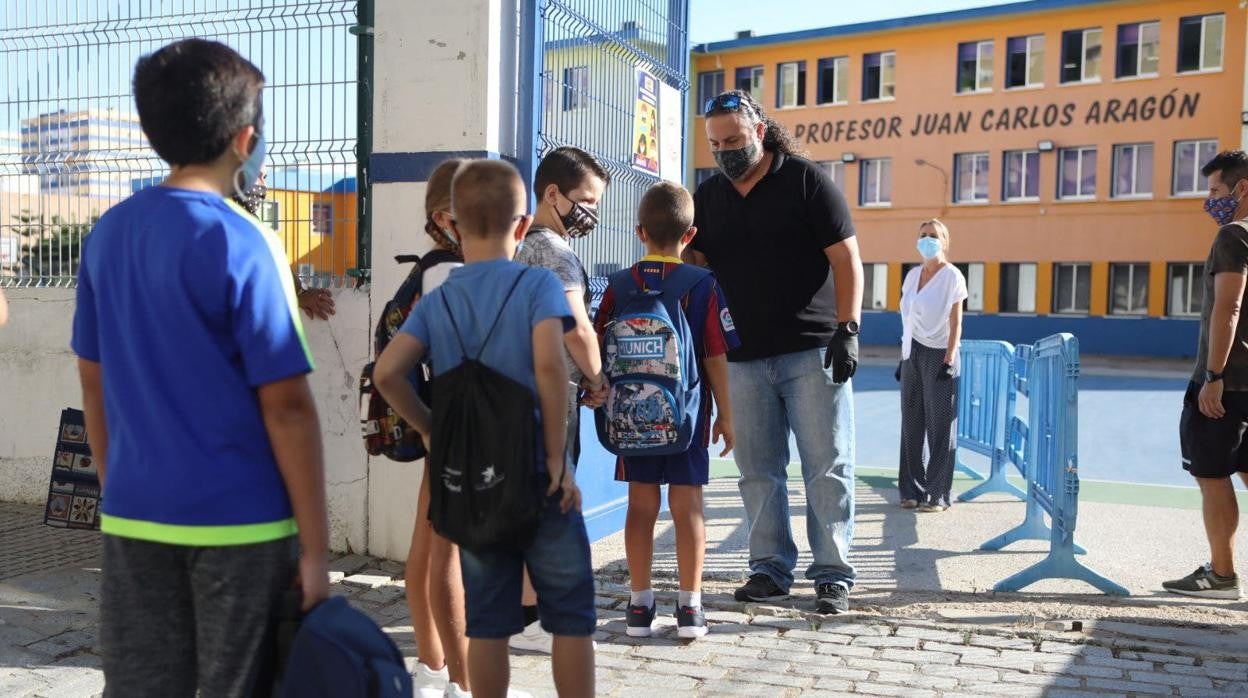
(175, 619)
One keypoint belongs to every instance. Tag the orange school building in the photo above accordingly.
(1060, 141)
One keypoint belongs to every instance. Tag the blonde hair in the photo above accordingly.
(942, 231)
(438, 198)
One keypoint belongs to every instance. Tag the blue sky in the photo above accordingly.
(717, 20)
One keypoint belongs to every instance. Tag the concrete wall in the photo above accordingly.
(38, 378)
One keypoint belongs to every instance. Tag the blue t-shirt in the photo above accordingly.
(475, 295)
(189, 306)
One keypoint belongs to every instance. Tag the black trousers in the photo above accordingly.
(929, 413)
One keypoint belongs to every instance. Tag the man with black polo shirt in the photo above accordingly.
(777, 233)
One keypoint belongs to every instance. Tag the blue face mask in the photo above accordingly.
(249, 171)
(1222, 209)
(929, 248)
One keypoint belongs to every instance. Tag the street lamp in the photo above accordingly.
(944, 176)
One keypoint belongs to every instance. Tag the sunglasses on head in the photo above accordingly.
(726, 102)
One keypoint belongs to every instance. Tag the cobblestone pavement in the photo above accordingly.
(48, 648)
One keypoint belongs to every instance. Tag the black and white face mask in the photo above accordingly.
(580, 220)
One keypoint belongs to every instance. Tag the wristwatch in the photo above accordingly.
(1211, 377)
(850, 326)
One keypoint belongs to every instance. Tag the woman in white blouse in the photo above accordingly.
(931, 317)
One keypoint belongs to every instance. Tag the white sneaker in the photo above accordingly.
(429, 683)
(454, 691)
(532, 639)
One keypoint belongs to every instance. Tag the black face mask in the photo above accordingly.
(253, 198)
(736, 163)
(579, 221)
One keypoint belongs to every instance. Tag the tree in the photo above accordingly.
(53, 249)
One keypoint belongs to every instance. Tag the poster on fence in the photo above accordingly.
(646, 124)
(74, 490)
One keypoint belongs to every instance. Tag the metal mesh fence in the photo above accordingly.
(71, 145)
(594, 53)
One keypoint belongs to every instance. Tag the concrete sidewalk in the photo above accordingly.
(924, 622)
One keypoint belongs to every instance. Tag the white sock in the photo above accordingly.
(690, 598)
(644, 598)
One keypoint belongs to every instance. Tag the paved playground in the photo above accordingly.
(926, 622)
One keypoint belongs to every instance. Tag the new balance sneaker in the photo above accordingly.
(532, 639)
(641, 620)
(760, 588)
(831, 597)
(1205, 584)
(429, 683)
(690, 622)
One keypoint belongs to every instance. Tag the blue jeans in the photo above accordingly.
(770, 398)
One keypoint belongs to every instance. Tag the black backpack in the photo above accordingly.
(384, 432)
(484, 487)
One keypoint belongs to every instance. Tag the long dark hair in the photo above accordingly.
(776, 139)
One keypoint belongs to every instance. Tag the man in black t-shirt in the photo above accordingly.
(777, 233)
(1215, 408)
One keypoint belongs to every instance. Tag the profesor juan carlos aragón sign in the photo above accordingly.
(1168, 106)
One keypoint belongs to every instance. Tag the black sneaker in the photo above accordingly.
(690, 622)
(641, 620)
(831, 597)
(1205, 584)
(760, 588)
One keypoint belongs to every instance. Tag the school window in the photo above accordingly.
(1128, 289)
(879, 75)
(833, 80)
(1022, 175)
(791, 84)
(1200, 43)
(1186, 290)
(1133, 170)
(548, 91)
(1081, 55)
(269, 213)
(1189, 157)
(973, 272)
(323, 219)
(702, 174)
(1077, 179)
(1018, 287)
(1139, 49)
(876, 187)
(975, 66)
(835, 170)
(710, 86)
(1026, 61)
(575, 88)
(970, 173)
(751, 80)
(1072, 288)
(874, 286)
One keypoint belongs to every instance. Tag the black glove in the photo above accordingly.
(897, 373)
(842, 354)
(946, 372)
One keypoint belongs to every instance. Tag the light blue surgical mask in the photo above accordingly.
(929, 248)
(249, 171)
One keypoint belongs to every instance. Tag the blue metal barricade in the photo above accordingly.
(1048, 444)
(985, 408)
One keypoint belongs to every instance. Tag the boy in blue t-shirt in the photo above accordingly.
(488, 204)
(193, 367)
(666, 228)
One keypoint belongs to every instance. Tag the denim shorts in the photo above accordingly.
(559, 564)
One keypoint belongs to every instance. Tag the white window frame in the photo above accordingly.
(1139, 52)
(878, 289)
(980, 47)
(1194, 273)
(757, 82)
(835, 170)
(867, 166)
(1131, 311)
(975, 287)
(1005, 174)
(1113, 184)
(840, 70)
(1083, 151)
(1204, 37)
(1074, 288)
(703, 98)
(1083, 57)
(793, 68)
(1027, 273)
(575, 96)
(1198, 190)
(889, 59)
(957, 178)
(1030, 82)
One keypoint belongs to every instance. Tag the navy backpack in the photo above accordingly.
(338, 652)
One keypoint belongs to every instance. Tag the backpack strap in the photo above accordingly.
(436, 257)
(623, 286)
(677, 284)
(502, 307)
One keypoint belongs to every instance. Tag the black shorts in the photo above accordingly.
(1214, 448)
